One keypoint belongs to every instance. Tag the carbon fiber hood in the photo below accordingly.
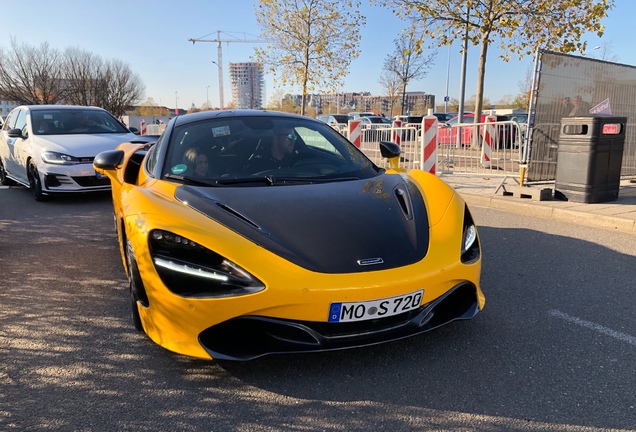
(340, 227)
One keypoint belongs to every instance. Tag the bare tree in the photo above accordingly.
(390, 82)
(406, 64)
(30, 75)
(82, 71)
(607, 52)
(35, 76)
(121, 87)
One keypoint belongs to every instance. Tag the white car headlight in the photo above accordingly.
(59, 158)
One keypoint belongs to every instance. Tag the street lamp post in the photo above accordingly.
(207, 97)
(176, 103)
(447, 78)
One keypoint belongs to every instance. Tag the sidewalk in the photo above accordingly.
(479, 190)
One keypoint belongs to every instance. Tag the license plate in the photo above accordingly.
(374, 309)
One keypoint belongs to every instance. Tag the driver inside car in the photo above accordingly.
(279, 155)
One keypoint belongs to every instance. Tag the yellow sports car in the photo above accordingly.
(247, 233)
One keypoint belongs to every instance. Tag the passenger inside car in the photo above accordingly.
(197, 162)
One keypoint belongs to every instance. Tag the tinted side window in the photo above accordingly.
(154, 154)
(20, 122)
(10, 120)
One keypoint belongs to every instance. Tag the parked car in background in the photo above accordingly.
(409, 120)
(335, 119)
(367, 121)
(444, 117)
(506, 135)
(357, 115)
(323, 250)
(50, 148)
(375, 128)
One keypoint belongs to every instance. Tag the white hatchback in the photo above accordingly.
(50, 148)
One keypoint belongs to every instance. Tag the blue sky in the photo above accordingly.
(152, 37)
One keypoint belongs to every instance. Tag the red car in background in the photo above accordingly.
(506, 136)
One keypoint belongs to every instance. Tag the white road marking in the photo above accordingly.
(596, 327)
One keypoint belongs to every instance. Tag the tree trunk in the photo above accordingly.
(403, 99)
(481, 73)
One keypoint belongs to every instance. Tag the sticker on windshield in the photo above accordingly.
(220, 131)
(179, 169)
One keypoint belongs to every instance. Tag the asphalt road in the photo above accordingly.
(554, 349)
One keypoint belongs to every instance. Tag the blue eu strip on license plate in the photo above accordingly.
(374, 309)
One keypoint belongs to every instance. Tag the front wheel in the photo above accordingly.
(35, 184)
(136, 285)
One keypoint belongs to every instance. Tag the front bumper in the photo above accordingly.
(78, 178)
(249, 337)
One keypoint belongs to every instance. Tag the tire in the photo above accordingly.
(134, 280)
(35, 184)
(4, 180)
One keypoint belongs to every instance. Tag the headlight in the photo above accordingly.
(190, 270)
(470, 243)
(59, 158)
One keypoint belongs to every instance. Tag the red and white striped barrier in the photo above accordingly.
(490, 131)
(354, 132)
(428, 158)
(142, 127)
(397, 134)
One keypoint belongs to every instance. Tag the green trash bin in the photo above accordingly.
(589, 158)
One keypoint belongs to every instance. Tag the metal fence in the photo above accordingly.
(571, 86)
(460, 147)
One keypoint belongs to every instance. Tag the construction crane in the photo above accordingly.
(219, 61)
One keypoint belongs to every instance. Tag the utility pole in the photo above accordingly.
(219, 61)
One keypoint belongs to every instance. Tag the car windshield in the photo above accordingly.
(74, 121)
(262, 151)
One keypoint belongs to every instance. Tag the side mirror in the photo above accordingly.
(15, 133)
(109, 159)
(391, 151)
(134, 130)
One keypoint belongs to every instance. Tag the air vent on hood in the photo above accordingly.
(238, 215)
(405, 202)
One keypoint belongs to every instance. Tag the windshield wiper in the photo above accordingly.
(268, 180)
(189, 180)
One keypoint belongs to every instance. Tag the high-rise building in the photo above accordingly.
(247, 85)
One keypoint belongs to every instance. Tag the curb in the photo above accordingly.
(549, 212)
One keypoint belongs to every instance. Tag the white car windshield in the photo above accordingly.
(74, 121)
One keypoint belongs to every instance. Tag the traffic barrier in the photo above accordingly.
(490, 132)
(397, 134)
(354, 132)
(428, 160)
(142, 128)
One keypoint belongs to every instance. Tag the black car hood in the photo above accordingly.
(340, 227)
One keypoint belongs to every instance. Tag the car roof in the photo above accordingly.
(206, 115)
(60, 107)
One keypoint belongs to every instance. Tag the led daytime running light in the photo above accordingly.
(180, 268)
(470, 234)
